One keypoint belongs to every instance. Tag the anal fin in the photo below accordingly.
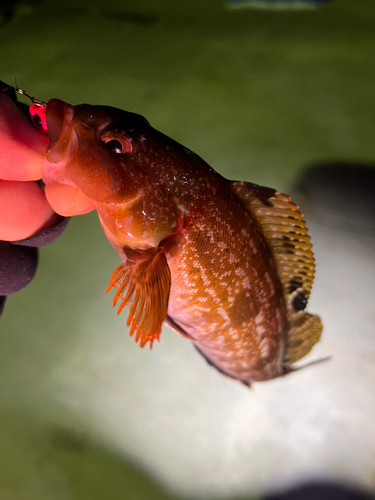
(143, 282)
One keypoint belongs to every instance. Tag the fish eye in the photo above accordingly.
(119, 144)
(114, 145)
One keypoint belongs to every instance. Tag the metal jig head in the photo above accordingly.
(34, 101)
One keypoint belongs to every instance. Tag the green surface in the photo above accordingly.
(45, 461)
(257, 94)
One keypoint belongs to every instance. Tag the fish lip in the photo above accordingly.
(62, 136)
(59, 116)
(63, 141)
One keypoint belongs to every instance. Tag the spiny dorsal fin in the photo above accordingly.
(286, 234)
(287, 237)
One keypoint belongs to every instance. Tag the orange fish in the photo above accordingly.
(225, 264)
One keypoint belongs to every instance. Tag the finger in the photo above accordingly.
(24, 210)
(67, 200)
(22, 147)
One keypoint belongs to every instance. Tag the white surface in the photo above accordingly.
(202, 434)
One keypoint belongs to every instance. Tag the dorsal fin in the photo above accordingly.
(286, 234)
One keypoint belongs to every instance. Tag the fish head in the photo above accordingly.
(95, 149)
(106, 153)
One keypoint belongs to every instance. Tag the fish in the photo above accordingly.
(226, 264)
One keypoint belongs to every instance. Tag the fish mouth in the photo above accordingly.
(55, 120)
(59, 120)
(63, 141)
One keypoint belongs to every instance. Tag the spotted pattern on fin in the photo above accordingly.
(286, 234)
(299, 302)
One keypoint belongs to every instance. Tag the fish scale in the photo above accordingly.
(235, 344)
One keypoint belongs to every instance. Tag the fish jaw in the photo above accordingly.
(78, 153)
(74, 156)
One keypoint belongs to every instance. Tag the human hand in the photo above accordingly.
(27, 218)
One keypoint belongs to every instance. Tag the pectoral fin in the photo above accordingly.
(143, 282)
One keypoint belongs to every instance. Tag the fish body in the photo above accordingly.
(226, 264)
(225, 289)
